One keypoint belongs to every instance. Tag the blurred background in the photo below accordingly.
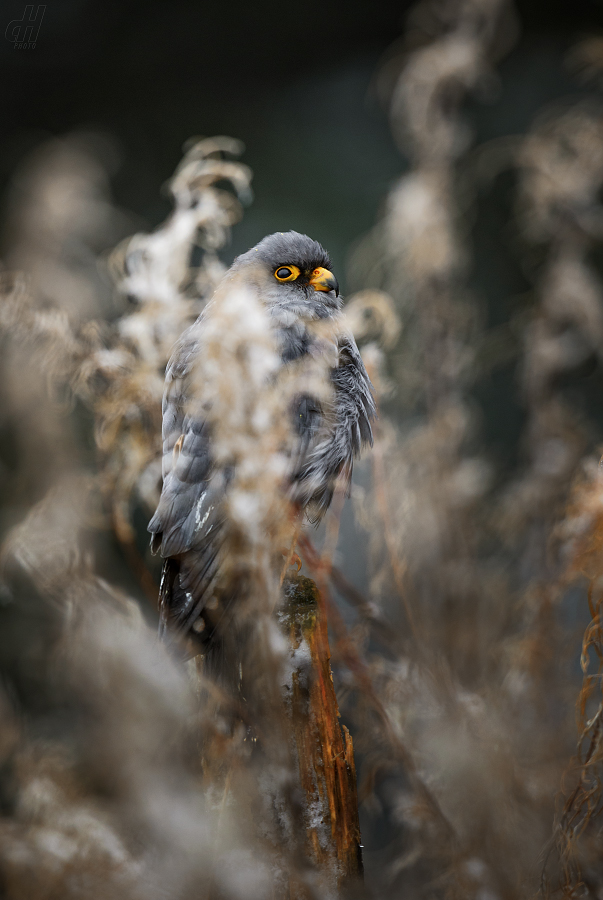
(307, 91)
(449, 155)
(299, 85)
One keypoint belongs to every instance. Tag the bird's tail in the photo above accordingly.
(219, 640)
(169, 574)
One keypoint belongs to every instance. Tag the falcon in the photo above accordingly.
(291, 275)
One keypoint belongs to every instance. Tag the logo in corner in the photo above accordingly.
(23, 33)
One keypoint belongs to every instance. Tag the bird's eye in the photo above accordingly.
(286, 273)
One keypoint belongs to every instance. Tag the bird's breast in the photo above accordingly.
(319, 339)
(294, 342)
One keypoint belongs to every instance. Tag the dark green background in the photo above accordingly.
(292, 80)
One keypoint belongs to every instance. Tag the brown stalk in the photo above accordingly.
(359, 670)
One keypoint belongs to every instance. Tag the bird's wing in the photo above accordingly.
(187, 523)
(332, 447)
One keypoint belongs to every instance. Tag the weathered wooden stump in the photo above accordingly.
(323, 748)
(319, 748)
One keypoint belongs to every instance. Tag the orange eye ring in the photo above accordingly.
(286, 273)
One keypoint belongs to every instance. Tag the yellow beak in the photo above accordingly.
(323, 280)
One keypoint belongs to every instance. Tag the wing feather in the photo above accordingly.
(186, 526)
(332, 448)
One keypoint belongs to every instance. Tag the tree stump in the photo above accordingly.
(323, 749)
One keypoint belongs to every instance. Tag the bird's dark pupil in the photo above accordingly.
(283, 273)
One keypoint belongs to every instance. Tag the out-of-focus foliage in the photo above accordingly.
(459, 673)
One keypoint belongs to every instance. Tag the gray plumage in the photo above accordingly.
(187, 526)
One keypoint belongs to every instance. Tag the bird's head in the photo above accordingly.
(293, 274)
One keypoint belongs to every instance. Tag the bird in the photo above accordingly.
(291, 275)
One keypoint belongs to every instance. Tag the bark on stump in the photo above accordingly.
(325, 755)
